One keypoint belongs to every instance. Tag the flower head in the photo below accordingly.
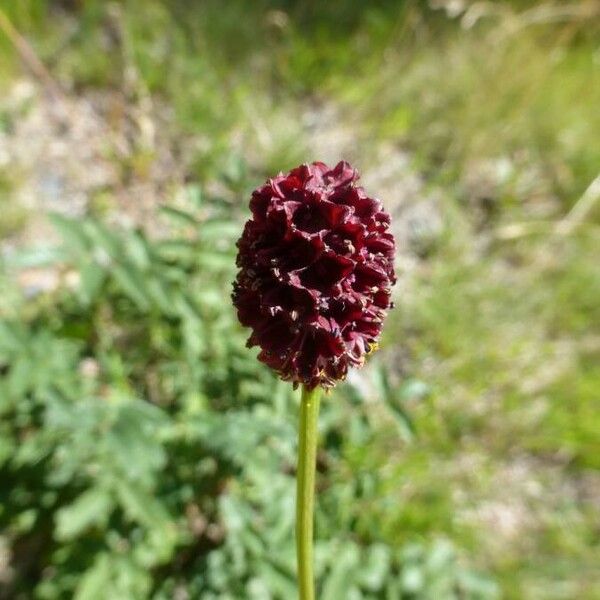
(316, 265)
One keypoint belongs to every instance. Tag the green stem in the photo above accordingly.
(305, 492)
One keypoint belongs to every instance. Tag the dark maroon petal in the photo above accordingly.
(342, 174)
(273, 334)
(299, 251)
(344, 311)
(333, 213)
(364, 206)
(315, 181)
(382, 244)
(327, 271)
(288, 186)
(248, 303)
(295, 301)
(310, 218)
(382, 299)
(316, 269)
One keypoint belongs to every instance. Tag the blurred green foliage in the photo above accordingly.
(453, 91)
(145, 451)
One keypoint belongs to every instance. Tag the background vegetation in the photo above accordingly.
(144, 453)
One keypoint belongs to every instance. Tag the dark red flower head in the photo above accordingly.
(316, 266)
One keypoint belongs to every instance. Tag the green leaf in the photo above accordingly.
(414, 389)
(92, 276)
(141, 506)
(95, 581)
(90, 508)
(102, 237)
(180, 216)
(277, 582)
(395, 402)
(194, 195)
(137, 249)
(413, 579)
(375, 569)
(71, 232)
(36, 256)
(160, 295)
(219, 230)
(215, 261)
(342, 577)
(133, 285)
(177, 249)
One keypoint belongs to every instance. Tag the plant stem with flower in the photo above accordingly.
(316, 268)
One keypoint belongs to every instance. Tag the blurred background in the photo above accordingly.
(144, 452)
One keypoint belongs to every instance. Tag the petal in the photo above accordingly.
(342, 174)
(327, 271)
